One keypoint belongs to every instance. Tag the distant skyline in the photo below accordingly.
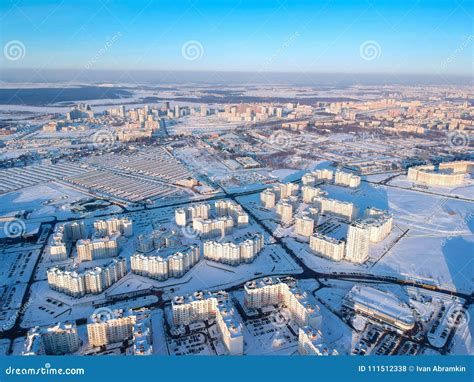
(359, 37)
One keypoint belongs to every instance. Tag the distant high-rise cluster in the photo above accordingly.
(375, 227)
(163, 267)
(339, 177)
(80, 111)
(201, 306)
(250, 113)
(93, 281)
(233, 253)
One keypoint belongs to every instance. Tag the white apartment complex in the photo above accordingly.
(310, 192)
(269, 291)
(347, 179)
(233, 253)
(120, 326)
(232, 209)
(202, 306)
(304, 225)
(447, 174)
(112, 226)
(268, 198)
(213, 227)
(327, 246)
(284, 210)
(185, 215)
(59, 339)
(163, 267)
(94, 281)
(97, 248)
(380, 224)
(336, 207)
(63, 236)
(358, 240)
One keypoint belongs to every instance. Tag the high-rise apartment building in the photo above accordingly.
(59, 339)
(358, 239)
(201, 306)
(232, 253)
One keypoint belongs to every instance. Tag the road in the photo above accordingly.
(308, 273)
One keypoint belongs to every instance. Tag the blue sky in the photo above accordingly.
(292, 36)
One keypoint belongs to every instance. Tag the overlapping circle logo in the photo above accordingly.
(103, 138)
(458, 139)
(283, 139)
(104, 314)
(14, 228)
(14, 50)
(370, 50)
(189, 231)
(192, 50)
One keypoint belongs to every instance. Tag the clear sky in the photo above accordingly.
(369, 36)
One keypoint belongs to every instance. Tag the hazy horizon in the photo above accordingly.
(17, 76)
